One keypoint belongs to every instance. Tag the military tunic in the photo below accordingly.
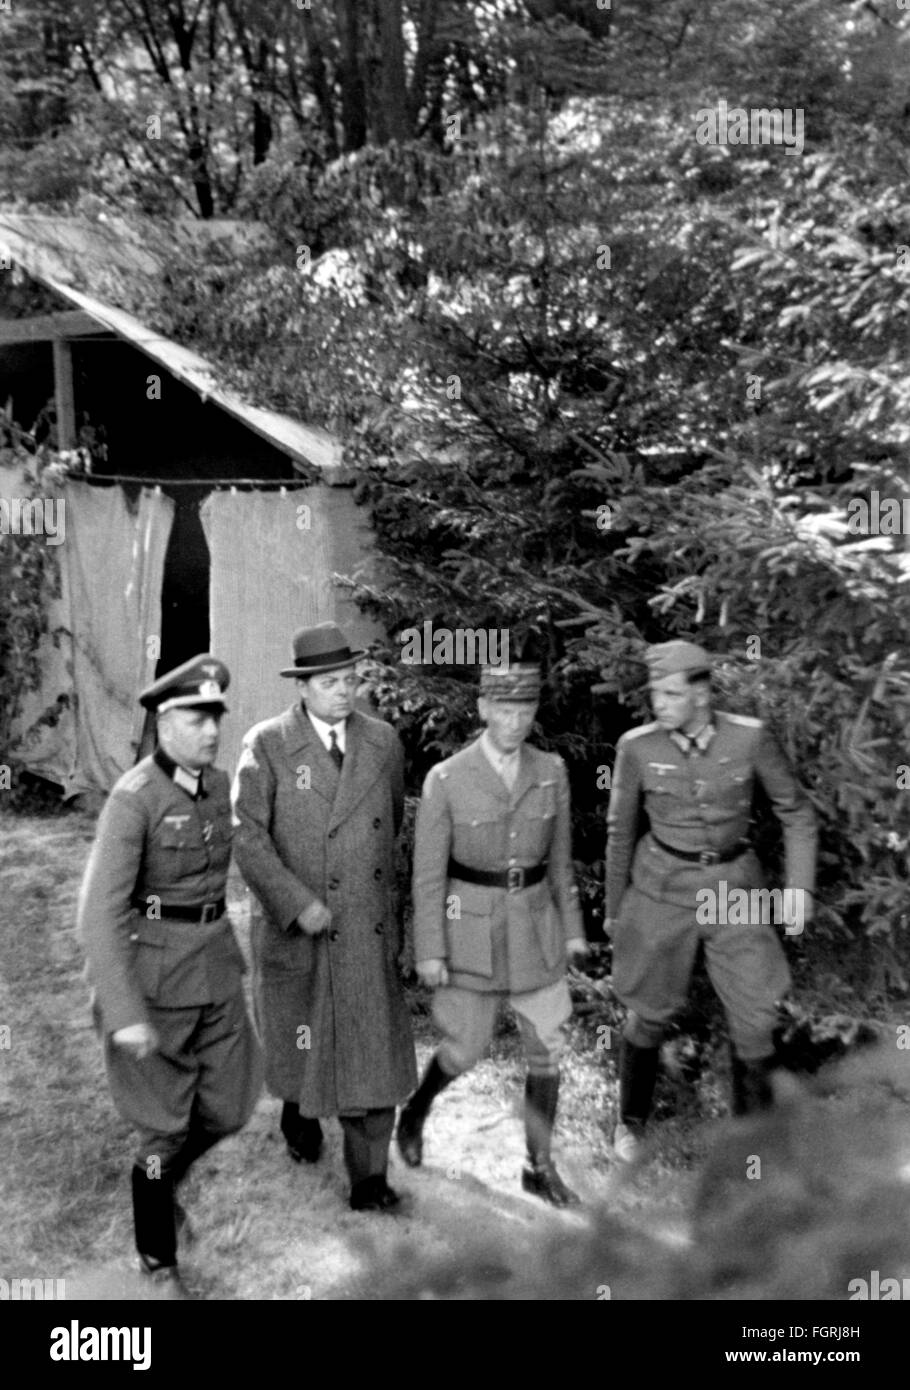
(158, 845)
(699, 801)
(495, 942)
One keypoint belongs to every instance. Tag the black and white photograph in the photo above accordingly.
(454, 669)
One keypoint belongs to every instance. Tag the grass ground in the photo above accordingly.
(266, 1228)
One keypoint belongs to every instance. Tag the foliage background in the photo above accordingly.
(602, 384)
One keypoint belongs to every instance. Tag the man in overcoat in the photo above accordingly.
(693, 878)
(496, 912)
(182, 1060)
(318, 802)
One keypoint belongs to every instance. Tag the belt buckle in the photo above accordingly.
(209, 912)
(515, 878)
(709, 856)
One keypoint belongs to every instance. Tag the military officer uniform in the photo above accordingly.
(697, 795)
(495, 899)
(161, 951)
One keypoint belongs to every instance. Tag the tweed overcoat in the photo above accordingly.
(330, 1009)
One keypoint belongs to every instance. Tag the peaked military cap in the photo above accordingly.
(520, 681)
(200, 681)
(319, 649)
(669, 658)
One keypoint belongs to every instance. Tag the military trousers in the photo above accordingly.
(205, 1076)
(466, 1019)
(654, 949)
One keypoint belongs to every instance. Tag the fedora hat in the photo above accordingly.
(319, 649)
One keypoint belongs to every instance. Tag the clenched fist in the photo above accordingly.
(314, 920)
(433, 973)
(140, 1039)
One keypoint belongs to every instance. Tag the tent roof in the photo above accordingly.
(59, 251)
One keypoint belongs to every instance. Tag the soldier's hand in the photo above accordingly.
(433, 973)
(314, 919)
(577, 951)
(139, 1039)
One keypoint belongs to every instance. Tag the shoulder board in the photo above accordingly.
(640, 732)
(745, 721)
(132, 781)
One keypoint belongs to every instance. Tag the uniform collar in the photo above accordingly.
(694, 742)
(500, 762)
(190, 782)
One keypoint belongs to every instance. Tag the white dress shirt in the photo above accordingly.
(325, 732)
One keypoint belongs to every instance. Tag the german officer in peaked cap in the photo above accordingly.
(496, 912)
(693, 771)
(182, 1060)
(318, 802)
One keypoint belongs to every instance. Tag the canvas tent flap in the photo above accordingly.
(107, 620)
(273, 559)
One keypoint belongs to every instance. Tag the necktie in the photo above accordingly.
(335, 752)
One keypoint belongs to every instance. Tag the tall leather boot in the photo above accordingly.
(750, 1084)
(539, 1175)
(413, 1116)
(154, 1222)
(637, 1079)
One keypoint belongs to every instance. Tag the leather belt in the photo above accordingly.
(704, 856)
(513, 879)
(196, 912)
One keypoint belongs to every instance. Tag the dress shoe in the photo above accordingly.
(626, 1143)
(373, 1194)
(305, 1143)
(542, 1180)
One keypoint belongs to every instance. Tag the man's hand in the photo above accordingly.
(577, 951)
(795, 911)
(314, 919)
(139, 1039)
(608, 925)
(433, 973)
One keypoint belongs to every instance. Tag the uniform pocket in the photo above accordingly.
(148, 955)
(547, 927)
(182, 851)
(469, 947)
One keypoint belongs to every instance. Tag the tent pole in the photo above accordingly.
(63, 393)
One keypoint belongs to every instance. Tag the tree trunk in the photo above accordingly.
(319, 81)
(393, 95)
(353, 97)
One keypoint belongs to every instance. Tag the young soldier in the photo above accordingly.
(496, 911)
(182, 1060)
(693, 771)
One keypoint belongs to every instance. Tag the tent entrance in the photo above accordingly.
(185, 626)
